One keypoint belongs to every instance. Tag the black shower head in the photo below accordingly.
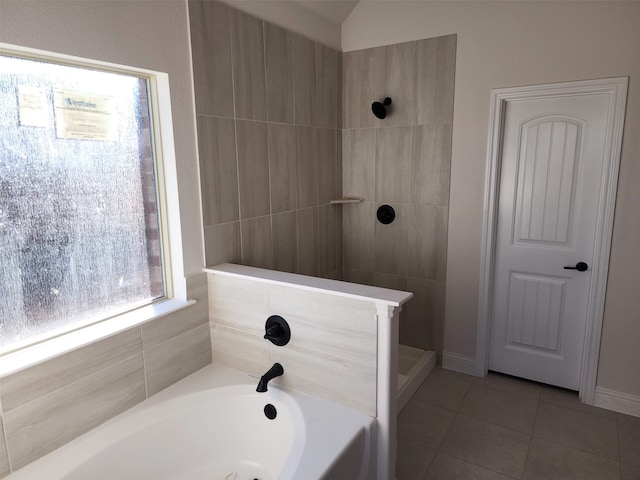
(380, 109)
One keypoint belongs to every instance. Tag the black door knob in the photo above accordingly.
(580, 266)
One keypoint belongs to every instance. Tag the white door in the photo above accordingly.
(553, 152)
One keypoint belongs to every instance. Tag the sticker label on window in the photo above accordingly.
(84, 116)
(32, 103)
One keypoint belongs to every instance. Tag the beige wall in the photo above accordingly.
(144, 34)
(504, 44)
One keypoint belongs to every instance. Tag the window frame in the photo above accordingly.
(166, 178)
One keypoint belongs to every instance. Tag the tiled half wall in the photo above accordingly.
(333, 349)
(50, 404)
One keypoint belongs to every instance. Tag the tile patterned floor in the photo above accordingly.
(498, 427)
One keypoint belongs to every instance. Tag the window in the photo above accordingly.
(80, 203)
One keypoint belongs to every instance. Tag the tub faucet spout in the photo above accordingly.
(273, 372)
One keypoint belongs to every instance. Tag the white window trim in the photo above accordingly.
(169, 211)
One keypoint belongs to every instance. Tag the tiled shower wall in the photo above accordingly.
(268, 107)
(404, 161)
(50, 404)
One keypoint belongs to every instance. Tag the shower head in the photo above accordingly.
(380, 109)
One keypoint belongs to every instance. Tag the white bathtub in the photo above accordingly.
(212, 426)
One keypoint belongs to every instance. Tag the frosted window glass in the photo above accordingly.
(79, 233)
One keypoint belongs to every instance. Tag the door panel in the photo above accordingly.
(552, 157)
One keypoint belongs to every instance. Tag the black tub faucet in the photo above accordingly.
(273, 372)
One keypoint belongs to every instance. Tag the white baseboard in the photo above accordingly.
(617, 401)
(459, 363)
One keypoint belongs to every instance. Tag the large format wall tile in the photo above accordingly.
(211, 51)
(390, 251)
(237, 303)
(247, 54)
(284, 232)
(307, 167)
(324, 141)
(218, 170)
(358, 223)
(239, 349)
(436, 63)
(307, 260)
(359, 162)
(283, 172)
(393, 164)
(42, 425)
(174, 359)
(169, 326)
(427, 241)
(327, 98)
(431, 164)
(304, 79)
(395, 78)
(257, 250)
(279, 65)
(253, 168)
(222, 243)
(44, 378)
(358, 88)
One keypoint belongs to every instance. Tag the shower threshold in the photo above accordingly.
(414, 365)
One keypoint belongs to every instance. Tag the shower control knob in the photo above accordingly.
(277, 330)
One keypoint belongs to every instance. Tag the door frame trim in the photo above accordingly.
(616, 88)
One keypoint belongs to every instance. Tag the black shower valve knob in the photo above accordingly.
(277, 330)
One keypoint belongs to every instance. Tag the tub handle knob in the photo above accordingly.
(277, 330)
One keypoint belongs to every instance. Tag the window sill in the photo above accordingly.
(48, 349)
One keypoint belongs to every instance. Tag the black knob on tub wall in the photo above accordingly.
(386, 214)
(277, 330)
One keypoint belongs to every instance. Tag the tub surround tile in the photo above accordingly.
(238, 303)
(222, 243)
(165, 328)
(44, 424)
(197, 287)
(176, 358)
(253, 168)
(550, 461)
(576, 429)
(247, 352)
(4, 459)
(218, 170)
(211, 51)
(283, 175)
(435, 79)
(247, 54)
(490, 446)
(450, 468)
(257, 249)
(629, 472)
(330, 378)
(307, 167)
(47, 377)
(279, 75)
